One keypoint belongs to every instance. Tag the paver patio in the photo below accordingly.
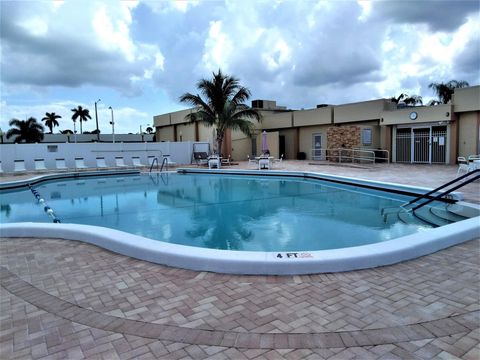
(66, 299)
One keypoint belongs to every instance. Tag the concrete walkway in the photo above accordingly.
(65, 299)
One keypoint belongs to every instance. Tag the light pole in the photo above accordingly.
(74, 131)
(96, 119)
(113, 125)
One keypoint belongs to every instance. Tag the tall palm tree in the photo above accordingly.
(82, 115)
(29, 130)
(444, 91)
(50, 120)
(397, 99)
(223, 106)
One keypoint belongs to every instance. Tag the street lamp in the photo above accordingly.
(96, 119)
(113, 125)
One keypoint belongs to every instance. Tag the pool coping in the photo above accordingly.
(258, 263)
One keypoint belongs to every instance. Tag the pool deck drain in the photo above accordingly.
(81, 301)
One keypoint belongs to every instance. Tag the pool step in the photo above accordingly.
(426, 215)
(409, 218)
(446, 214)
(463, 211)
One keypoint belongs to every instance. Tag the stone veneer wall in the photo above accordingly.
(346, 137)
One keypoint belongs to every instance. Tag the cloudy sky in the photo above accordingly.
(140, 56)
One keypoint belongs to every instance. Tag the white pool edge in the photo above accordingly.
(256, 263)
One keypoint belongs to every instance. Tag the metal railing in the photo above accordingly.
(342, 155)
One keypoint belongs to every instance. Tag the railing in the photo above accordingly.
(350, 155)
(155, 160)
(439, 196)
(164, 162)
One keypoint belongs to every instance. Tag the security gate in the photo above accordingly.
(427, 145)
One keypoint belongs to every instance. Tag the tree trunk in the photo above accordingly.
(81, 131)
(219, 142)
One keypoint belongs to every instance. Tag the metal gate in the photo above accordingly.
(427, 145)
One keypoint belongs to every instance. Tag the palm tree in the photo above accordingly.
(223, 106)
(149, 130)
(51, 120)
(397, 99)
(413, 100)
(445, 91)
(29, 130)
(82, 115)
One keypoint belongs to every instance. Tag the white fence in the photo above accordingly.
(83, 138)
(180, 153)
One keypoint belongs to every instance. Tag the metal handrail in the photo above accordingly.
(449, 190)
(155, 159)
(441, 187)
(355, 154)
(165, 161)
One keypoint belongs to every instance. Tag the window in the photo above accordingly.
(367, 136)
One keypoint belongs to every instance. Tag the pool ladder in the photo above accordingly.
(164, 163)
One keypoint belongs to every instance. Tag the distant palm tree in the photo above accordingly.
(445, 91)
(397, 99)
(413, 100)
(82, 115)
(149, 130)
(50, 120)
(223, 106)
(66, 132)
(29, 130)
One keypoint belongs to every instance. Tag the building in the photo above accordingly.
(409, 134)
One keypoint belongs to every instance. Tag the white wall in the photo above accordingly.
(180, 152)
(63, 138)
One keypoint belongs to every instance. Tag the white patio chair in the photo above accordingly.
(60, 164)
(101, 164)
(40, 165)
(119, 162)
(80, 163)
(463, 165)
(19, 165)
(252, 161)
(136, 161)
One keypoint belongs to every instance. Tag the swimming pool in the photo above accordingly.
(244, 217)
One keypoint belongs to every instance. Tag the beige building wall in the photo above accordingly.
(424, 114)
(468, 133)
(466, 99)
(361, 111)
(306, 138)
(165, 133)
(186, 132)
(161, 120)
(178, 117)
(275, 120)
(312, 117)
(241, 148)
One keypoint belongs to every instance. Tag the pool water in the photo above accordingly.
(229, 212)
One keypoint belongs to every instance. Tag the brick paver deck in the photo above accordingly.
(66, 299)
(69, 300)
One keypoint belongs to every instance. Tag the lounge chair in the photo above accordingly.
(136, 161)
(40, 165)
(101, 163)
(226, 161)
(119, 162)
(252, 161)
(19, 165)
(201, 158)
(150, 160)
(60, 164)
(80, 163)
